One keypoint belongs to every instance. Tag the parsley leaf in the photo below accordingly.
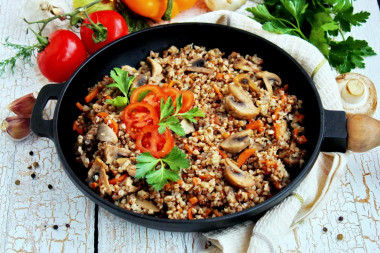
(318, 22)
(147, 167)
(170, 113)
(123, 82)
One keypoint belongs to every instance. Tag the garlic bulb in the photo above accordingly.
(231, 5)
(35, 10)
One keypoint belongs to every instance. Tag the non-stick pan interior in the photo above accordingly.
(136, 47)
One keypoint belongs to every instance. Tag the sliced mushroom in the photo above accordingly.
(245, 80)
(156, 67)
(237, 141)
(237, 177)
(105, 133)
(146, 204)
(239, 104)
(198, 65)
(187, 126)
(269, 79)
(112, 152)
(101, 168)
(125, 164)
(129, 187)
(139, 81)
(245, 65)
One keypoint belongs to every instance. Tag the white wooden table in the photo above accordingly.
(29, 211)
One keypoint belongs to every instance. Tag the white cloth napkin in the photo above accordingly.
(264, 235)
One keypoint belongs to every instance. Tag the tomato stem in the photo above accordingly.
(100, 31)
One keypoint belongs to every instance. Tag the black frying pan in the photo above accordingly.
(134, 48)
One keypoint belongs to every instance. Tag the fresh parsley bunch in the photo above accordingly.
(319, 22)
(170, 166)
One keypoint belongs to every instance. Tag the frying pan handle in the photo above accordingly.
(38, 125)
(335, 131)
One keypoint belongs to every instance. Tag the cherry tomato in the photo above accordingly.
(187, 101)
(158, 145)
(116, 28)
(136, 116)
(62, 56)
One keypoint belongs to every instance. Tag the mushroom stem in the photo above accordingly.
(363, 132)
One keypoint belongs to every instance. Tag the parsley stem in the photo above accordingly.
(296, 28)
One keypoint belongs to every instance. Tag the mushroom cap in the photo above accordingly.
(237, 177)
(237, 141)
(244, 79)
(105, 133)
(243, 64)
(354, 102)
(156, 67)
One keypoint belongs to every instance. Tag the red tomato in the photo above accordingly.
(153, 98)
(171, 92)
(158, 145)
(187, 101)
(136, 116)
(116, 28)
(62, 56)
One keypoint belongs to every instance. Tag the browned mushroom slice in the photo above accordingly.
(125, 164)
(187, 126)
(146, 204)
(112, 152)
(237, 177)
(245, 80)
(269, 79)
(105, 133)
(101, 168)
(156, 67)
(239, 104)
(139, 81)
(245, 65)
(198, 65)
(237, 141)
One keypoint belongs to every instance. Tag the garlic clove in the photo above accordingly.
(17, 127)
(231, 5)
(23, 106)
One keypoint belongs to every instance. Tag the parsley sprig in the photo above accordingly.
(123, 82)
(170, 113)
(319, 22)
(170, 166)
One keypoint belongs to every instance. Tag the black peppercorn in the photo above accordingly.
(31, 153)
(50, 186)
(67, 225)
(340, 218)
(340, 237)
(55, 227)
(35, 164)
(325, 229)
(17, 182)
(33, 175)
(29, 166)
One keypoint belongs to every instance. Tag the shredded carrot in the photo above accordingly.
(180, 182)
(94, 185)
(91, 95)
(276, 113)
(243, 157)
(295, 132)
(301, 140)
(269, 163)
(222, 154)
(188, 148)
(219, 76)
(191, 81)
(78, 128)
(226, 135)
(110, 122)
(196, 181)
(165, 85)
(216, 120)
(204, 177)
(80, 107)
(217, 213)
(196, 133)
(220, 95)
(171, 83)
(190, 213)
(108, 97)
(255, 125)
(277, 185)
(118, 180)
(299, 117)
(180, 209)
(283, 99)
(193, 200)
(207, 212)
(277, 131)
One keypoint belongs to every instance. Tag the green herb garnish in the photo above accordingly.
(319, 22)
(174, 162)
(123, 82)
(170, 113)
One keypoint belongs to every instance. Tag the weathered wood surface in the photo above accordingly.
(28, 211)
